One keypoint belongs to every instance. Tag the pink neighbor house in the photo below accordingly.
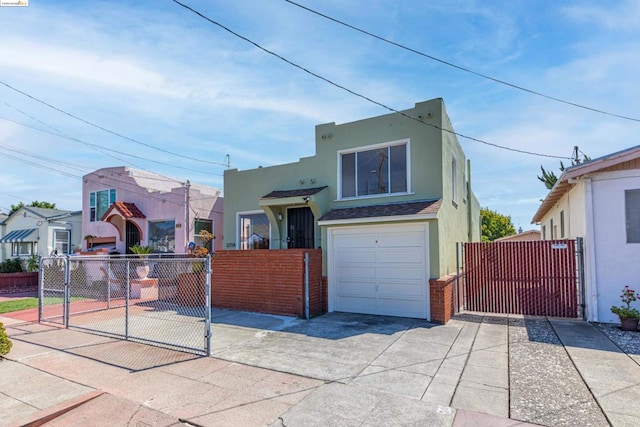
(122, 207)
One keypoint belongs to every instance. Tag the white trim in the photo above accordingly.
(339, 153)
(251, 212)
(373, 196)
(591, 287)
(395, 218)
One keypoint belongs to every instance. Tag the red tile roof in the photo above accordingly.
(127, 210)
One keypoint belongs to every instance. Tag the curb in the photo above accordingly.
(45, 415)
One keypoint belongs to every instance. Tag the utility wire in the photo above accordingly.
(359, 95)
(144, 194)
(103, 150)
(119, 135)
(466, 70)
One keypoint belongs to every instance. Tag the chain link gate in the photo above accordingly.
(52, 290)
(159, 301)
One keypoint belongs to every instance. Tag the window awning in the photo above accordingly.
(18, 236)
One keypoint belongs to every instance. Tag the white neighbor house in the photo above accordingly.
(600, 201)
(39, 231)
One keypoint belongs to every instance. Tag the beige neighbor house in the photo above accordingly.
(600, 201)
(523, 236)
(386, 198)
(39, 231)
(123, 207)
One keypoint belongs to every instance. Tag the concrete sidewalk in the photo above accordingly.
(338, 369)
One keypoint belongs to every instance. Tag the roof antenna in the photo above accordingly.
(227, 161)
(575, 158)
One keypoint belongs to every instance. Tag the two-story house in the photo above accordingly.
(123, 207)
(386, 198)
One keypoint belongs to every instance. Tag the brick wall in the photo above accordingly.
(444, 298)
(267, 281)
(18, 282)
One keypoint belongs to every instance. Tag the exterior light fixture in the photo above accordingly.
(279, 216)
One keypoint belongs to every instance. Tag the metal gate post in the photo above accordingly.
(67, 292)
(207, 306)
(126, 303)
(457, 278)
(306, 285)
(580, 284)
(40, 289)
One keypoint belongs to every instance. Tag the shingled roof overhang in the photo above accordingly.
(299, 192)
(291, 197)
(421, 210)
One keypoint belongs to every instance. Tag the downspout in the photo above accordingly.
(469, 202)
(590, 252)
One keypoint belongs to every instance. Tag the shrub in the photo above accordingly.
(11, 266)
(5, 342)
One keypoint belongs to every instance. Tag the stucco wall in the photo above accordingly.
(616, 261)
(243, 189)
(158, 199)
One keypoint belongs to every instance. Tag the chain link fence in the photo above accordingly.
(159, 301)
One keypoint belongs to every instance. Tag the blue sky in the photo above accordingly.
(161, 75)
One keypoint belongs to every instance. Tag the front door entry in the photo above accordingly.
(300, 228)
(132, 236)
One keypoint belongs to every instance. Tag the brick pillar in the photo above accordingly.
(441, 293)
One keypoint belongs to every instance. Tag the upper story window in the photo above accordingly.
(99, 202)
(374, 170)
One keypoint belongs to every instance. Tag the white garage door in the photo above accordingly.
(379, 269)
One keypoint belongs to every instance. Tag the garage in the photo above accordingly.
(379, 269)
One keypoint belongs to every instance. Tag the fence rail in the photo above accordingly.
(533, 278)
(160, 301)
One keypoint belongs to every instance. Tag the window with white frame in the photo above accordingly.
(632, 215)
(253, 228)
(24, 248)
(562, 224)
(162, 235)
(99, 202)
(61, 241)
(374, 170)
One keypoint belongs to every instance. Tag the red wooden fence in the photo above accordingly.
(533, 278)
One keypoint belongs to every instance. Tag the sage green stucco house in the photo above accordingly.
(386, 198)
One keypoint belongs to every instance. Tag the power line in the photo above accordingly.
(100, 148)
(113, 179)
(461, 68)
(359, 95)
(107, 130)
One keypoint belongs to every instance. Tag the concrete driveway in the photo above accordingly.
(539, 370)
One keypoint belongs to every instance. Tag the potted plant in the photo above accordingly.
(142, 252)
(89, 238)
(629, 317)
